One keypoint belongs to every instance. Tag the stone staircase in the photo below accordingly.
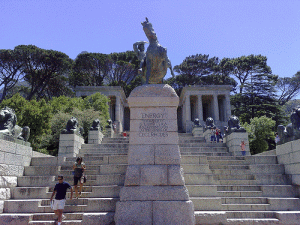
(225, 189)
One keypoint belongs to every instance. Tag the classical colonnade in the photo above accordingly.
(195, 102)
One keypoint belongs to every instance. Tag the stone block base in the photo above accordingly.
(97, 218)
(95, 137)
(16, 219)
(154, 193)
(197, 131)
(155, 212)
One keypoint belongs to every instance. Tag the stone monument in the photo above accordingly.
(154, 190)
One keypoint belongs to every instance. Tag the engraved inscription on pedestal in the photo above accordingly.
(153, 127)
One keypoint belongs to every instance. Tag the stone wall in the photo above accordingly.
(288, 154)
(14, 155)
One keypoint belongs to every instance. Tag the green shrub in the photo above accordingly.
(260, 131)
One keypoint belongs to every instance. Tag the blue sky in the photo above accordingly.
(221, 28)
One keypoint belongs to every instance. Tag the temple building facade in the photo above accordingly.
(195, 102)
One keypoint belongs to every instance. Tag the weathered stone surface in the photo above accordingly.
(175, 175)
(154, 175)
(4, 193)
(141, 154)
(167, 154)
(1, 206)
(133, 176)
(211, 217)
(16, 219)
(21, 206)
(154, 193)
(291, 218)
(173, 212)
(134, 212)
(8, 181)
(98, 218)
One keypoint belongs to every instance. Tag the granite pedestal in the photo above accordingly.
(154, 190)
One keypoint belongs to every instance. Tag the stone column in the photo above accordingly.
(183, 116)
(117, 115)
(200, 108)
(227, 111)
(188, 107)
(117, 108)
(189, 123)
(154, 191)
(216, 108)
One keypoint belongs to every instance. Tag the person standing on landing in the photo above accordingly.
(243, 148)
(78, 168)
(60, 198)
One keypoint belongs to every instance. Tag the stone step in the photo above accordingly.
(101, 169)
(52, 216)
(246, 207)
(230, 170)
(202, 149)
(245, 200)
(194, 179)
(41, 170)
(214, 158)
(210, 217)
(250, 221)
(36, 181)
(238, 188)
(227, 162)
(51, 222)
(272, 179)
(187, 159)
(75, 205)
(201, 144)
(207, 153)
(196, 168)
(250, 214)
(240, 194)
(267, 169)
(202, 190)
(114, 140)
(234, 177)
(105, 146)
(99, 159)
(108, 151)
(206, 203)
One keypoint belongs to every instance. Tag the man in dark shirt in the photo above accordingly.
(60, 198)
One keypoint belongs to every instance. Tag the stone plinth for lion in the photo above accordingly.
(154, 190)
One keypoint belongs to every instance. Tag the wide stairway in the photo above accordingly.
(225, 189)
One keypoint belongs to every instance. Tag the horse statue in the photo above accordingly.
(155, 63)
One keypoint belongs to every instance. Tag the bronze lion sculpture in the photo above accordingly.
(209, 123)
(234, 125)
(8, 121)
(72, 127)
(96, 125)
(291, 131)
